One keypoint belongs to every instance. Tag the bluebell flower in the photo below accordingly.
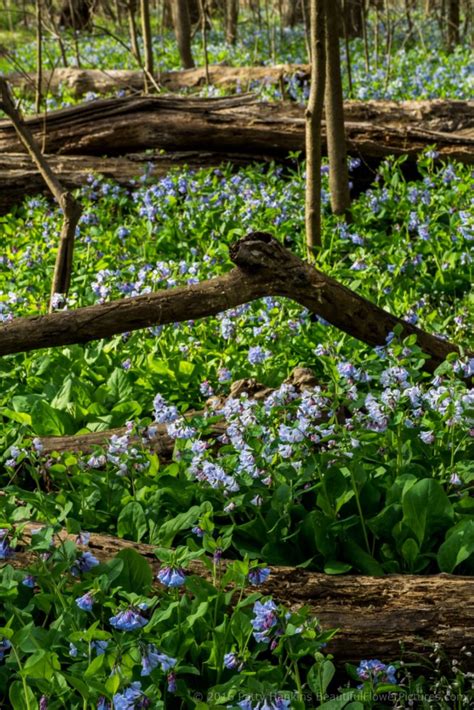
(5, 646)
(196, 530)
(127, 700)
(43, 703)
(258, 575)
(427, 437)
(172, 576)
(6, 550)
(29, 581)
(265, 619)
(84, 563)
(128, 620)
(99, 647)
(83, 538)
(151, 658)
(103, 704)
(73, 650)
(171, 678)
(232, 661)
(376, 671)
(86, 602)
(257, 355)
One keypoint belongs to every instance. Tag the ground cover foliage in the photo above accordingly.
(366, 471)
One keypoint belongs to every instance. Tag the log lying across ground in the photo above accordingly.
(374, 614)
(79, 82)
(242, 123)
(263, 267)
(19, 177)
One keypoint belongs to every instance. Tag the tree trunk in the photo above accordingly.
(314, 115)
(76, 15)
(354, 17)
(182, 27)
(132, 29)
(242, 123)
(336, 140)
(374, 615)
(231, 20)
(453, 20)
(147, 41)
(262, 268)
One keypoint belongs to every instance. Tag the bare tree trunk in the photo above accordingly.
(203, 6)
(336, 139)
(182, 27)
(314, 115)
(231, 19)
(147, 41)
(353, 16)
(39, 56)
(132, 28)
(453, 19)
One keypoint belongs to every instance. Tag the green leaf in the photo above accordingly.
(319, 677)
(182, 521)
(41, 664)
(335, 567)
(198, 614)
(410, 551)
(118, 386)
(458, 546)
(48, 421)
(132, 522)
(361, 559)
(136, 575)
(94, 666)
(20, 417)
(426, 508)
(20, 698)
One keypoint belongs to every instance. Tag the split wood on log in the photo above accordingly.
(375, 615)
(79, 82)
(242, 123)
(263, 267)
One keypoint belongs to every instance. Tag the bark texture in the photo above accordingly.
(263, 267)
(182, 28)
(314, 117)
(81, 81)
(242, 123)
(19, 178)
(375, 615)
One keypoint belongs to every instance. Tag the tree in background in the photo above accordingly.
(231, 20)
(336, 138)
(314, 114)
(182, 28)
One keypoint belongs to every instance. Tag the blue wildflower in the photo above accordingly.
(172, 576)
(128, 620)
(171, 678)
(5, 550)
(128, 699)
(84, 563)
(86, 602)
(376, 671)
(151, 658)
(99, 647)
(258, 575)
(257, 355)
(5, 646)
(29, 581)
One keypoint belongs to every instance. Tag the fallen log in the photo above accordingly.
(158, 440)
(242, 123)
(80, 82)
(19, 178)
(263, 267)
(375, 615)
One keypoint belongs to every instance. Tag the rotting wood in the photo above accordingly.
(159, 441)
(375, 615)
(80, 82)
(243, 123)
(18, 178)
(263, 267)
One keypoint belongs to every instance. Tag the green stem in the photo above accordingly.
(359, 508)
(23, 679)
